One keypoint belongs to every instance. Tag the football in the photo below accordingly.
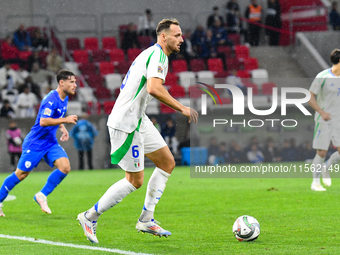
(17, 141)
(246, 228)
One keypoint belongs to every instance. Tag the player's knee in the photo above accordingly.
(168, 165)
(137, 183)
(322, 153)
(65, 169)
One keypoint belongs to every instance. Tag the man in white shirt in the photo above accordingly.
(26, 103)
(133, 135)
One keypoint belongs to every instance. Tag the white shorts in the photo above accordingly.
(324, 133)
(128, 150)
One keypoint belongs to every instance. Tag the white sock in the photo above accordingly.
(317, 162)
(114, 195)
(154, 192)
(333, 159)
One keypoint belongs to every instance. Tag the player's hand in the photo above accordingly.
(191, 114)
(325, 116)
(72, 119)
(64, 134)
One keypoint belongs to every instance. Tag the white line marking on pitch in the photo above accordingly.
(33, 240)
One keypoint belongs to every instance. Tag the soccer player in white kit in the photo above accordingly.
(133, 135)
(326, 86)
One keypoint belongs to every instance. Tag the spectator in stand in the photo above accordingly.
(34, 58)
(232, 79)
(130, 38)
(26, 103)
(198, 38)
(9, 53)
(295, 153)
(83, 134)
(8, 77)
(307, 152)
(220, 34)
(334, 16)
(213, 150)
(34, 88)
(236, 153)
(14, 142)
(156, 124)
(223, 154)
(255, 155)
(208, 47)
(39, 76)
(22, 74)
(6, 110)
(285, 152)
(38, 40)
(254, 15)
(271, 152)
(213, 17)
(186, 50)
(273, 19)
(233, 17)
(253, 140)
(22, 39)
(54, 61)
(168, 132)
(146, 24)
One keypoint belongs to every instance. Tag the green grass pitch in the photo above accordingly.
(199, 213)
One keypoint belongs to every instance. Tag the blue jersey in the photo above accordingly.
(42, 138)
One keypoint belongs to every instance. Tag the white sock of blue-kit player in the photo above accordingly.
(317, 164)
(112, 196)
(154, 192)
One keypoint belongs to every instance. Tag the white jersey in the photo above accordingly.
(327, 88)
(133, 98)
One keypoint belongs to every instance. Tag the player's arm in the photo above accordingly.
(156, 89)
(64, 133)
(72, 119)
(312, 102)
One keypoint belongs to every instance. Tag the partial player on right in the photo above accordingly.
(326, 86)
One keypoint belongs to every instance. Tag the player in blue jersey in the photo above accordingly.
(41, 142)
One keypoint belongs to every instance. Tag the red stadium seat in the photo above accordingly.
(133, 53)
(93, 108)
(72, 44)
(233, 64)
(144, 41)
(197, 65)
(91, 43)
(102, 93)
(23, 55)
(15, 67)
(252, 85)
(267, 88)
(123, 67)
(108, 105)
(166, 109)
(226, 100)
(87, 69)
(171, 79)
(179, 65)
(215, 64)
(234, 38)
(243, 74)
(106, 68)
(109, 43)
(195, 92)
(226, 50)
(241, 51)
(177, 91)
(80, 56)
(250, 63)
(95, 81)
(117, 55)
(99, 55)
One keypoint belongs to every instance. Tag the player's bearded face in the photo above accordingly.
(174, 38)
(70, 85)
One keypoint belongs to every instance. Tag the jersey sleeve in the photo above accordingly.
(157, 65)
(317, 84)
(48, 107)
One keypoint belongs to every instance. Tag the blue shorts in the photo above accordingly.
(30, 159)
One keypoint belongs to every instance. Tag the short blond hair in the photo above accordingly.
(165, 24)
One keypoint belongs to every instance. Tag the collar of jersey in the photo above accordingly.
(159, 46)
(330, 71)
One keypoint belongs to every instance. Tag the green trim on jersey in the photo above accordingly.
(162, 57)
(119, 154)
(143, 80)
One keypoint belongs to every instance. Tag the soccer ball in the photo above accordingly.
(246, 228)
(17, 140)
